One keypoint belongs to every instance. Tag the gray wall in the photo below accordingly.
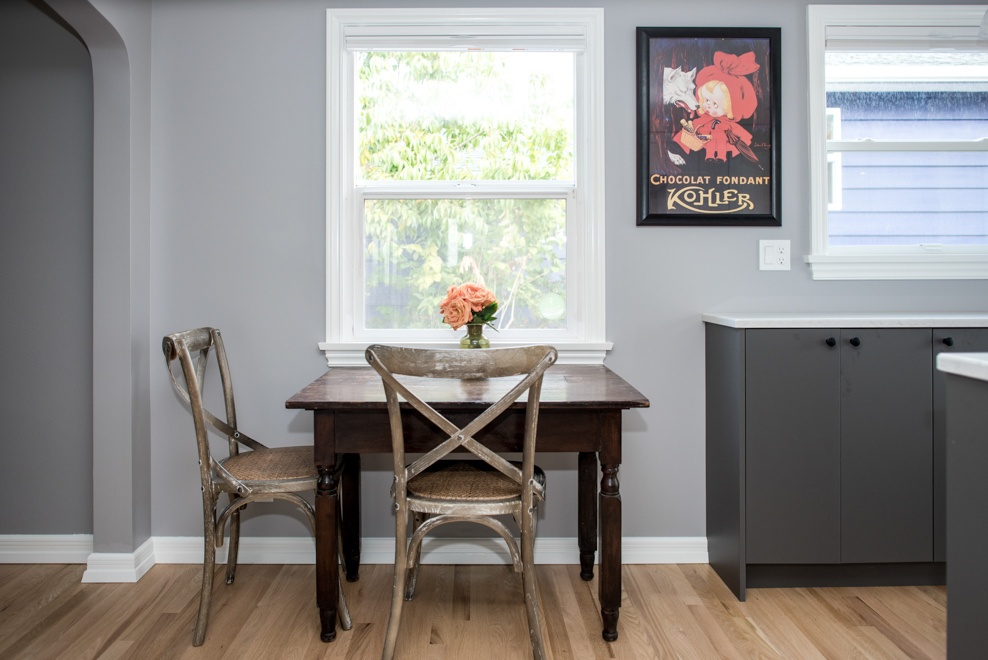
(238, 241)
(46, 275)
(238, 144)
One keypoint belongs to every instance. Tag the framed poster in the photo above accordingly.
(708, 126)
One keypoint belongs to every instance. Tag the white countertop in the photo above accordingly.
(972, 365)
(847, 320)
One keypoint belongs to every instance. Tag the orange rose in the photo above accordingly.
(477, 297)
(455, 311)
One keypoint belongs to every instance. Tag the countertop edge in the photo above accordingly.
(971, 365)
(742, 320)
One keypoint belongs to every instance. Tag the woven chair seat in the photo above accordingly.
(474, 481)
(273, 464)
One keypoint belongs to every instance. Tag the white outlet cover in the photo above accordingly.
(773, 255)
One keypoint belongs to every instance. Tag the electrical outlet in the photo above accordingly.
(773, 255)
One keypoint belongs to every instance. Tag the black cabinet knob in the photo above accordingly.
(831, 341)
(948, 341)
(855, 341)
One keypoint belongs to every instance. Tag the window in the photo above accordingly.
(464, 145)
(899, 142)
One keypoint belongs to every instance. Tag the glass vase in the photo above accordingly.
(475, 337)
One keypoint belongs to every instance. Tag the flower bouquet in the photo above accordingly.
(470, 305)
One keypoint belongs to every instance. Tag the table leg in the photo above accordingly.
(327, 565)
(350, 531)
(610, 525)
(327, 521)
(587, 512)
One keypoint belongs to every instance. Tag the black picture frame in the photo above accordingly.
(715, 162)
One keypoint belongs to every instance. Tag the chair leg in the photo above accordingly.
(415, 557)
(342, 609)
(398, 587)
(530, 587)
(234, 547)
(206, 591)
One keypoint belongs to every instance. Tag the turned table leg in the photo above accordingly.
(587, 512)
(327, 521)
(610, 523)
(350, 505)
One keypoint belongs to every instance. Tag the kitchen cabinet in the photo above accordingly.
(965, 377)
(824, 448)
(946, 340)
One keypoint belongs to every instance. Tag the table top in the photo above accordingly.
(564, 386)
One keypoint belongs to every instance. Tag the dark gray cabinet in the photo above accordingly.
(946, 340)
(967, 492)
(886, 440)
(825, 454)
(792, 455)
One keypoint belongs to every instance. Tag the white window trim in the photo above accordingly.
(588, 345)
(875, 262)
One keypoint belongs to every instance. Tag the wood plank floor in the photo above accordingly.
(472, 612)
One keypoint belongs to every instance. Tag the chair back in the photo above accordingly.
(529, 362)
(181, 347)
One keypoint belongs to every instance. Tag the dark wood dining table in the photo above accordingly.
(580, 411)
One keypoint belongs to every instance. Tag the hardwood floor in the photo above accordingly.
(472, 612)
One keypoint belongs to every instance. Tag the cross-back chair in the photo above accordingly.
(261, 474)
(434, 490)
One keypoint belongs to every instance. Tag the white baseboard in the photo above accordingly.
(120, 566)
(253, 550)
(45, 548)
(129, 567)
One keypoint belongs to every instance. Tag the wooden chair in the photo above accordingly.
(433, 492)
(260, 475)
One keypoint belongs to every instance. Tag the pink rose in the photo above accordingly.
(455, 311)
(477, 297)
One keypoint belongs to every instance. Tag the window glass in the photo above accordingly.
(435, 116)
(908, 197)
(415, 248)
(909, 95)
(426, 119)
(899, 142)
(912, 198)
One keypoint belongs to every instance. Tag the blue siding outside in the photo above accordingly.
(905, 198)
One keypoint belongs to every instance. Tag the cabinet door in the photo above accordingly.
(886, 445)
(958, 340)
(792, 452)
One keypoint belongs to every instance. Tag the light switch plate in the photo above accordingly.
(773, 255)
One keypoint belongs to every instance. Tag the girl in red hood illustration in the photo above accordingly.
(725, 96)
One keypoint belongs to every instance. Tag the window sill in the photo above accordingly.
(352, 354)
(898, 267)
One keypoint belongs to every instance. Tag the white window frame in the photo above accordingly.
(829, 262)
(579, 29)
